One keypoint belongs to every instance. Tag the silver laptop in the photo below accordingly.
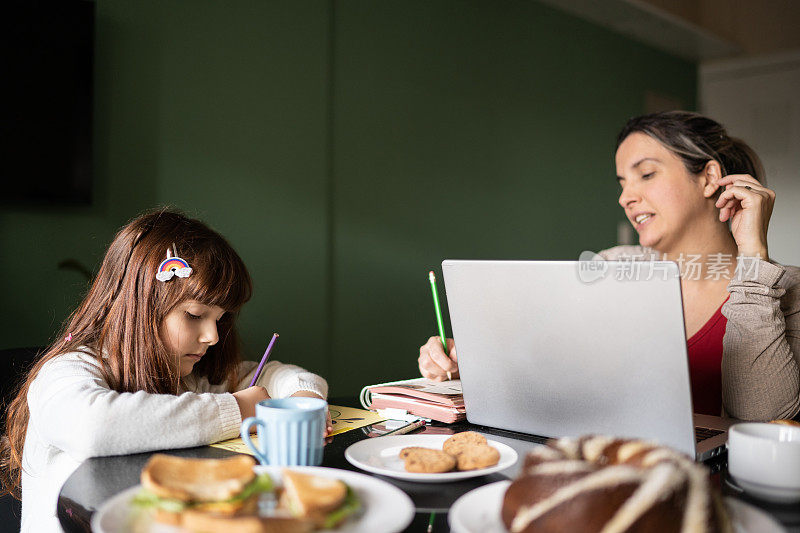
(566, 348)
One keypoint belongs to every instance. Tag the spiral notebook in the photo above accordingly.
(442, 401)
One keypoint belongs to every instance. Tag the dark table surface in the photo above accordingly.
(100, 478)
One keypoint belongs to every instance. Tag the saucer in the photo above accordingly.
(764, 492)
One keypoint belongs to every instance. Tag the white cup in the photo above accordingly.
(764, 460)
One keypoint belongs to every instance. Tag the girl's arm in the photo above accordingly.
(282, 380)
(73, 409)
(760, 377)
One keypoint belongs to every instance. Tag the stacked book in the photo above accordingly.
(442, 401)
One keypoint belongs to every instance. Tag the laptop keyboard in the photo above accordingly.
(701, 434)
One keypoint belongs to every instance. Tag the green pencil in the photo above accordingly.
(438, 310)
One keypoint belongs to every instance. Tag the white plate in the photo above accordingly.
(478, 511)
(384, 506)
(747, 518)
(380, 456)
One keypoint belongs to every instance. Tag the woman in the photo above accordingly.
(698, 197)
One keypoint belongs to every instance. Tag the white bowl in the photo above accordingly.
(764, 460)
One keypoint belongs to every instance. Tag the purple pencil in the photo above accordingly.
(264, 359)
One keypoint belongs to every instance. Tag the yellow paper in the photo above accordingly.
(343, 419)
(347, 418)
(236, 445)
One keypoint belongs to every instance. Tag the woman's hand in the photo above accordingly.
(309, 394)
(434, 364)
(748, 205)
(248, 399)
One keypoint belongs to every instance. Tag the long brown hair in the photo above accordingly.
(119, 320)
(697, 139)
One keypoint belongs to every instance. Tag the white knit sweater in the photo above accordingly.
(74, 415)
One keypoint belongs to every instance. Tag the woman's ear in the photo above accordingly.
(710, 175)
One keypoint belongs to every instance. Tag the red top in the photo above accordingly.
(705, 364)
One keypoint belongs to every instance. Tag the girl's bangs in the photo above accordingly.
(218, 281)
(225, 286)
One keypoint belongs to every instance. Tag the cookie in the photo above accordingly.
(405, 451)
(428, 461)
(458, 442)
(477, 456)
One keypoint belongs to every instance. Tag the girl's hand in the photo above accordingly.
(309, 394)
(434, 364)
(748, 205)
(247, 400)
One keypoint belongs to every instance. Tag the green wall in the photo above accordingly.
(345, 149)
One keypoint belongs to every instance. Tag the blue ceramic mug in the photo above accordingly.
(290, 431)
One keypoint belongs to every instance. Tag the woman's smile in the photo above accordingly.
(642, 219)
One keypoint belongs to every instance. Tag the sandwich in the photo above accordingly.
(207, 495)
(325, 502)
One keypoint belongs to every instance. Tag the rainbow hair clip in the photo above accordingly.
(173, 266)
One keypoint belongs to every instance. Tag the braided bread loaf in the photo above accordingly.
(611, 485)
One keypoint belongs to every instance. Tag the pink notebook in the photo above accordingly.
(438, 401)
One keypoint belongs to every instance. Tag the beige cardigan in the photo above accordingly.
(761, 346)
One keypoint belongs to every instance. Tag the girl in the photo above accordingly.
(150, 360)
(698, 197)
